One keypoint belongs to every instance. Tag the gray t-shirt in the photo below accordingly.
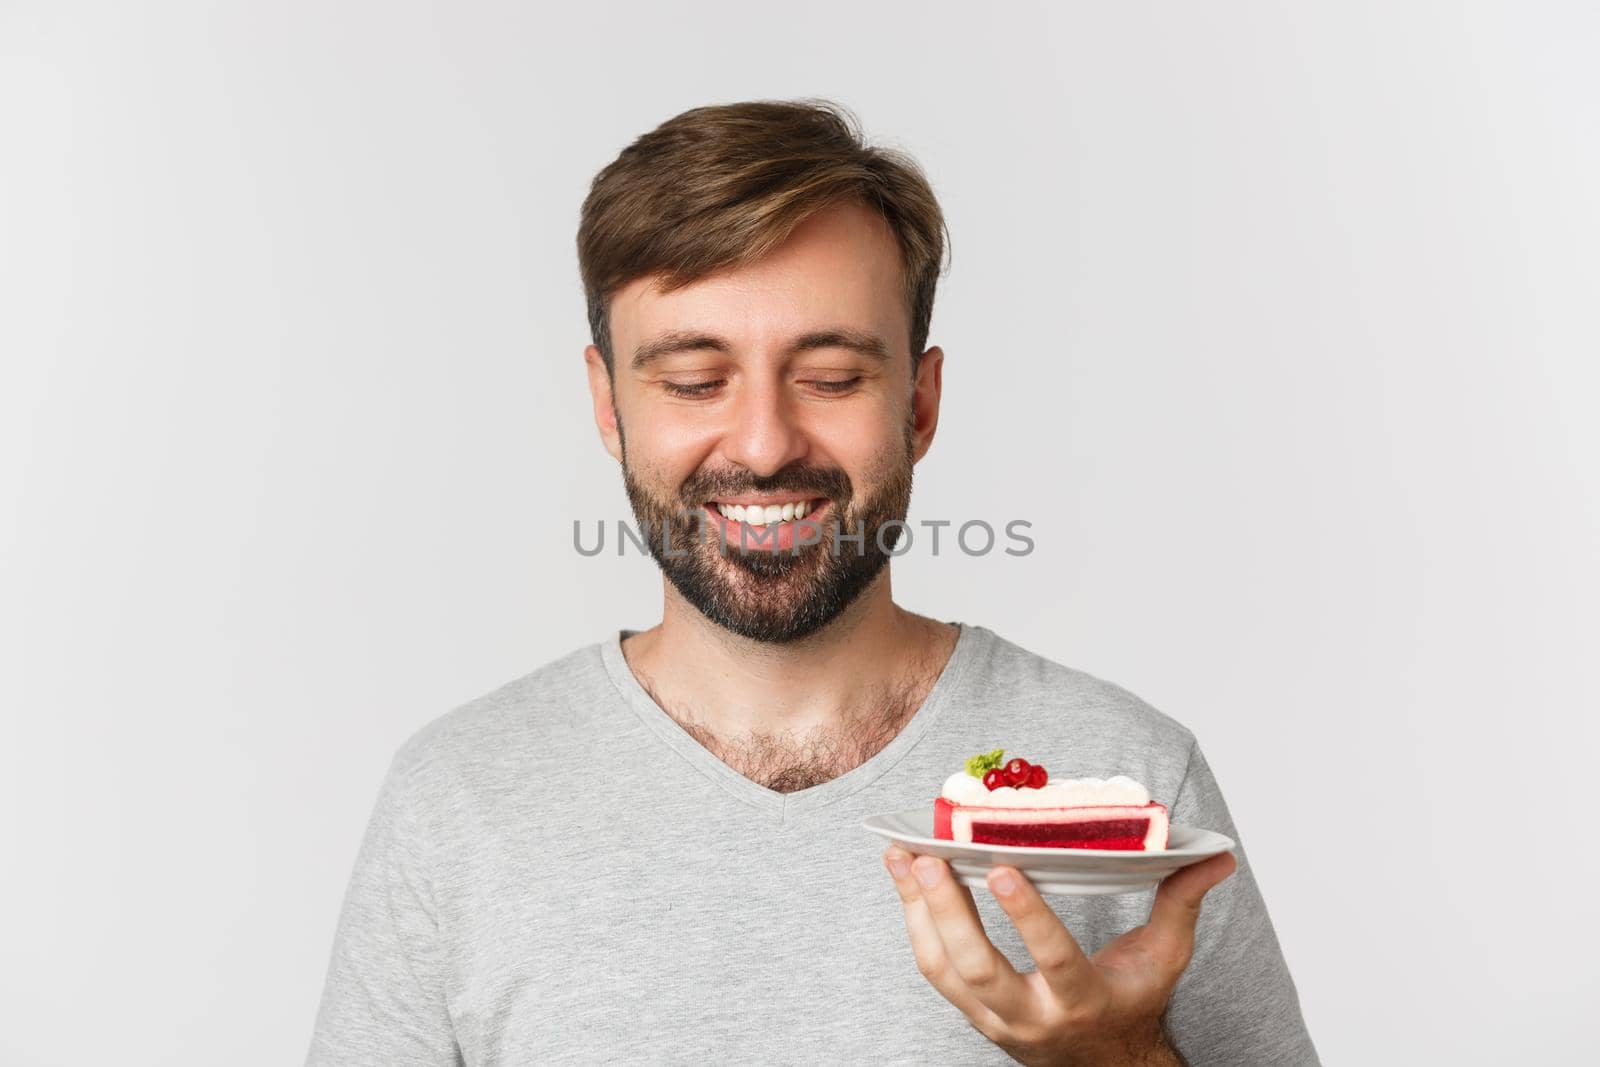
(558, 872)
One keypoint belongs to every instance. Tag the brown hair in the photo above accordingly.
(719, 186)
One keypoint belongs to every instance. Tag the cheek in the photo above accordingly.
(859, 437)
(670, 444)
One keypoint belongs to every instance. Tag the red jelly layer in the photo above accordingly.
(1126, 834)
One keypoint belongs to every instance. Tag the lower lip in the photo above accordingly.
(762, 537)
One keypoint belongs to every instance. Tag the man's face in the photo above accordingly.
(784, 383)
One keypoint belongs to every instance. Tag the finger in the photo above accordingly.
(1176, 909)
(982, 967)
(926, 945)
(1056, 954)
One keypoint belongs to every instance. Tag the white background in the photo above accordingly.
(1279, 325)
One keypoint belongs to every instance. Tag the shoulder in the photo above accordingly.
(527, 726)
(1106, 723)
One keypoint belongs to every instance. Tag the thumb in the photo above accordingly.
(1177, 905)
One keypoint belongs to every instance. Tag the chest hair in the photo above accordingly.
(789, 761)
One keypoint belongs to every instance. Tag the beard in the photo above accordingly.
(764, 593)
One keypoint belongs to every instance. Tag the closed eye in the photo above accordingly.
(835, 386)
(690, 390)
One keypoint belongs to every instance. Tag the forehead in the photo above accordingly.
(839, 268)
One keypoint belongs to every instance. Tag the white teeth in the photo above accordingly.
(758, 515)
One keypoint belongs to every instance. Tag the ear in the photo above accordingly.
(925, 401)
(605, 406)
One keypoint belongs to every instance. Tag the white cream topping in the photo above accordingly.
(963, 788)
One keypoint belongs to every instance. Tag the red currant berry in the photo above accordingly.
(1017, 771)
(994, 779)
(1037, 776)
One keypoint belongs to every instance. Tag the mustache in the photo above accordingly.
(805, 478)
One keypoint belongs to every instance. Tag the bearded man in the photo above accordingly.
(651, 849)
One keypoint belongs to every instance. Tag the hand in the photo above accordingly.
(1072, 1009)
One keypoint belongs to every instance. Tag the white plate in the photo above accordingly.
(1063, 871)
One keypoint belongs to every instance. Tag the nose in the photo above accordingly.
(763, 433)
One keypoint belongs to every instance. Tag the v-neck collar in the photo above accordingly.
(784, 805)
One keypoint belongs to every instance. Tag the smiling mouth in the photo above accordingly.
(767, 512)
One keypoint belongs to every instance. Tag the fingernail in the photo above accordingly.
(1003, 883)
(899, 866)
(928, 873)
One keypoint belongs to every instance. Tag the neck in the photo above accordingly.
(734, 687)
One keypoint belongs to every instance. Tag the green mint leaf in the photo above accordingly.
(984, 762)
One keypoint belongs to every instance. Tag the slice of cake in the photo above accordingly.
(1017, 803)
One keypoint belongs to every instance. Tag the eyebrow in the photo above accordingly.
(690, 341)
